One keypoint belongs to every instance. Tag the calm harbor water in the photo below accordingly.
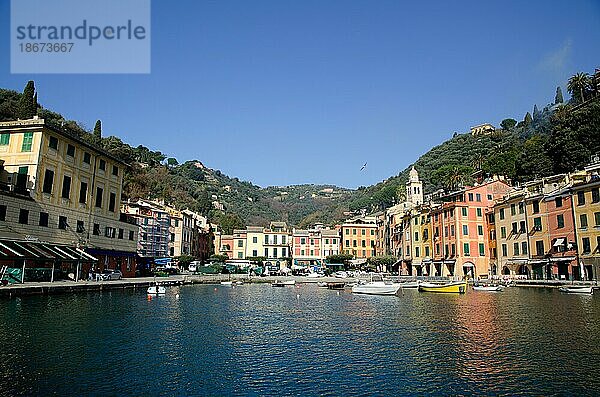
(259, 340)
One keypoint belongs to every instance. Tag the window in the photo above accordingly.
(426, 251)
(96, 230)
(240, 243)
(255, 240)
(467, 249)
(453, 250)
(62, 222)
(102, 165)
(524, 248)
(66, 187)
(48, 181)
(87, 158)
(514, 228)
(516, 249)
(580, 198)
(513, 209)
(503, 232)
(504, 250)
(283, 241)
(267, 252)
(470, 196)
(99, 192)
(2, 212)
(354, 232)
(23, 216)
(27, 142)
(275, 252)
(537, 224)
(560, 221)
(425, 234)
(83, 193)
(417, 252)
(266, 239)
(347, 243)
(479, 212)
(490, 197)
(131, 234)
(416, 236)
(522, 228)
(583, 221)
(587, 248)
(115, 170)
(363, 232)
(481, 249)
(446, 250)
(70, 150)
(596, 195)
(363, 243)
(464, 211)
(521, 207)
(81, 227)
(255, 253)
(4, 139)
(112, 200)
(452, 230)
(535, 206)
(478, 197)
(501, 213)
(43, 219)
(480, 230)
(597, 218)
(465, 230)
(275, 239)
(539, 248)
(172, 237)
(53, 143)
(354, 243)
(109, 232)
(558, 202)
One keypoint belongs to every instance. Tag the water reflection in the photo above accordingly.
(259, 340)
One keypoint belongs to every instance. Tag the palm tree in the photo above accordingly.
(478, 161)
(455, 177)
(579, 83)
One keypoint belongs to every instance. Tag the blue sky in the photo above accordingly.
(288, 92)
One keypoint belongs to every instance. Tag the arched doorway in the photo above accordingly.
(469, 269)
(523, 270)
(505, 271)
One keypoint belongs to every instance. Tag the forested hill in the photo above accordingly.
(559, 138)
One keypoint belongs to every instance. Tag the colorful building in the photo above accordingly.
(359, 237)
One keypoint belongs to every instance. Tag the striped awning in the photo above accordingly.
(35, 250)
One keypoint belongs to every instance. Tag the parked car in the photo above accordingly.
(111, 274)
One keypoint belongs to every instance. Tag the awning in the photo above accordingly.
(468, 264)
(39, 251)
(559, 242)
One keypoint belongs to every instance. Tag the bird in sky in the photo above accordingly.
(363, 167)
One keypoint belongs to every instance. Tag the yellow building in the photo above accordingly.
(57, 188)
(359, 237)
(586, 208)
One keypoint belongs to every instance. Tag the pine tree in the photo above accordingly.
(28, 102)
(98, 130)
(559, 97)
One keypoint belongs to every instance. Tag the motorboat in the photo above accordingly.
(156, 290)
(314, 275)
(282, 283)
(239, 282)
(376, 288)
(229, 283)
(322, 284)
(489, 288)
(577, 289)
(458, 287)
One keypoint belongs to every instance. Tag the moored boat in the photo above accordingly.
(226, 282)
(156, 290)
(577, 289)
(489, 288)
(322, 284)
(376, 288)
(283, 283)
(459, 287)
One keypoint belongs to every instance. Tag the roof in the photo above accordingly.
(36, 250)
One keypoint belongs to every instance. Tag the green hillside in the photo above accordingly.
(559, 138)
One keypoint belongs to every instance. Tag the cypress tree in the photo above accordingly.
(536, 113)
(558, 98)
(528, 119)
(98, 130)
(28, 102)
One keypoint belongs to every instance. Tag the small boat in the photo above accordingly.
(156, 290)
(459, 287)
(410, 284)
(489, 288)
(335, 285)
(376, 288)
(239, 282)
(322, 284)
(226, 282)
(577, 289)
(283, 283)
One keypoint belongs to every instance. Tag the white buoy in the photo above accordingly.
(177, 296)
(297, 296)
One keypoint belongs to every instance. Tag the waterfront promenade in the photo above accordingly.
(68, 286)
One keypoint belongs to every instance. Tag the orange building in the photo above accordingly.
(359, 237)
